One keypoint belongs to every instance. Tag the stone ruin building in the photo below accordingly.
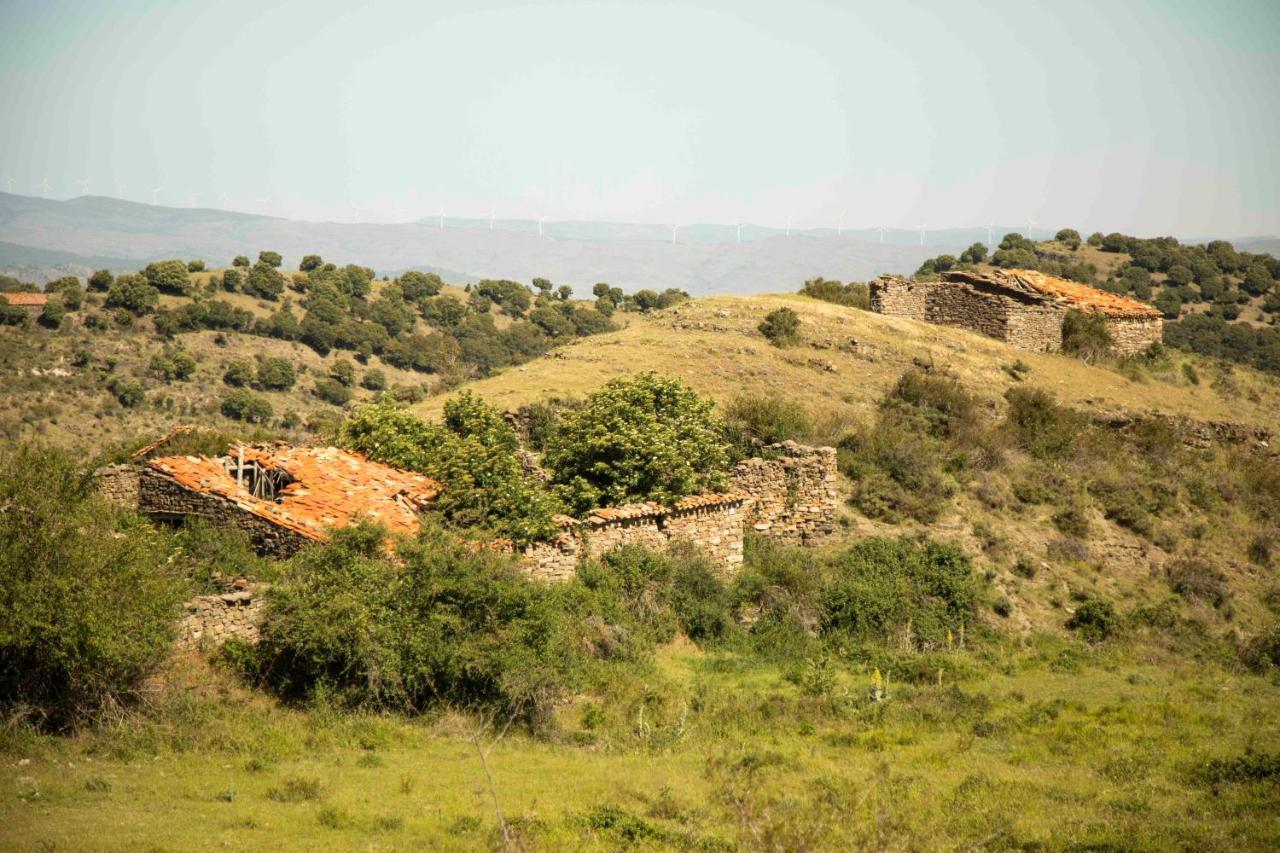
(287, 497)
(1023, 307)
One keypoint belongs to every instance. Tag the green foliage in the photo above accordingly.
(241, 405)
(781, 327)
(483, 484)
(232, 280)
(67, 289)
(1085, 335)
(440, 624)
(642, 437)
(133, 294)
(211, 555)
(128, 392)
(768, 418)
(1095, 620)
(1070, 237)
(169, 277)
(417, 285)
(882, 586)
(173, 364)
(264, 281)
(332, 391)
(1214, 336)
(1040, 426)
(975, 254)
(343, 371)
(271, 259)
(89, 601)
(276, 374)
(310, 262)
(511, 296)
(238, 374)
(373, 380)
(53, 313)
(853, 294)
(240, 261)
(101, 281)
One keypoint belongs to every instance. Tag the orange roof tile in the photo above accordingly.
(648, 509)
(25, 298)
(1071, 293)
(330, 488)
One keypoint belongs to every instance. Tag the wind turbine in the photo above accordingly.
(262, 205)
(541, 219)
(492, 210)
(924, 226)
(990, 225)
(44, 188)
(119, 190)
(84, 186)
(788, 226)
(1031, 223)
(840, 224)
(673, 234)
(224, 201)
(881, 229)
(154, 192)
(358, 210)
(739, 232)
(195, 198)
(442, 217)
(9, 183)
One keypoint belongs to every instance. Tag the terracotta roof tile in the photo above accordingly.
(1071, 293)
(25, 298)
(330, 487)
(650, 509)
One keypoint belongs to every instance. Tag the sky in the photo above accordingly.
(1143, 117)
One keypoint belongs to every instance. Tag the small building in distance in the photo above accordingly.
(1023, 307)
(32, 303)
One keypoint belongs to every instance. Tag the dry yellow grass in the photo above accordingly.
(849, 359)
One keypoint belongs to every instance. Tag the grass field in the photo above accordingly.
(1047, 745)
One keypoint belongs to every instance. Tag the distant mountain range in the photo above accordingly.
(41, 239)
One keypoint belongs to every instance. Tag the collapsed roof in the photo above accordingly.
(1068, 294)
(307, 489)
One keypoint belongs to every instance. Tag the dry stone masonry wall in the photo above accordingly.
(119, 484)
(793, 492)
(211, 620)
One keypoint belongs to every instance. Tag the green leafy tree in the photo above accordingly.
(645, 300)
(1085, 335)
(133, 294)
(276, 374)
(1095, 239)
(343, 371)
(264, 281)
(169, 277)
(232, 280)
(53, 313)
(1169, 302)
(241, 405)
(483, 483)
(100, 281)
(195, 266)
(270, 258)
(68, 290)
(128, 392)
(781, 327)
(332, 391)
(1257, 279)
(238, 374)
(89, 596)
(311, 262)
(419, 285)
(1069, 237)
(241, 261)
(373, 380)
(975, 254)
(643, 437)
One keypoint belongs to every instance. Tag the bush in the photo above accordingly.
(1094, 619)
(1043, 428)
(241, 405)
(333, 391)
(881, 586)
(90, 602)
(1085, 335)
(128, 392)
(638, 438)
(238, 374)
(276, 374)
(133, 294)
(853, 294)
(168, 277)
(768, 418)
(472, 456)
(1195, 578)
(373, 380)
(781, 327)
(441, 623)
(53, 314)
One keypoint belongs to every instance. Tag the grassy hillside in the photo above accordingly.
(851, 357)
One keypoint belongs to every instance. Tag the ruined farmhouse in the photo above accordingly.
(1023, 307)
(32, 303)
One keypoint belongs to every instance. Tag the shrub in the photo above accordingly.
(1094, 620)
(472, 457)
(768, 418)
(440, 623)
(343, 371)
(373, 380)
(241, 405)
(53, 314)
(882, 585)
(101, 281)
(238, 374)
(276, 374)
(853, 294)
(208, 554)
(781, 327)
(168, 277)
(1041, 426)
(333, 391)
(1195, 578)
(638, 438)
(133, 294)
(1085, 335)
(128, 392)
(89, 600)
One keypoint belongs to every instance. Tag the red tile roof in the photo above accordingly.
(25, 299)
(330, 488)
(1070, 293)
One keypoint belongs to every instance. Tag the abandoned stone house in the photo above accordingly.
(32, 303)
(1023, 307)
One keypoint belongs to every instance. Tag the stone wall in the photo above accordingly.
(211, 620)
(1133, 336)
(900, 297)
(1034, 327)
(162, 497)
(119, 484)
(716, 530)
(793, 492)
(967, 308)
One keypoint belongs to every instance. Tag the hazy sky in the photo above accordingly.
(1155, 117)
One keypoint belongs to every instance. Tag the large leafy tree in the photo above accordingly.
(643, 437)
(169, 277)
